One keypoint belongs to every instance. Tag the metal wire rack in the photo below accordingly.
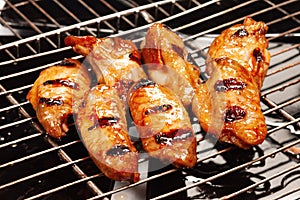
(35, 166)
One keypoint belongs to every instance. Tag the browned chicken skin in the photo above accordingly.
(245, 43)
(57, 94)
(163, 124)
(103, 129)
(174, 142)
(115, 61)
(228, 104)
(165, 57)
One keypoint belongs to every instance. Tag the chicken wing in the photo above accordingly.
(163, 123)
(228, 105)
(115, 61)
(165, 58)
(103, 130)
(245, 43)
(57, 94)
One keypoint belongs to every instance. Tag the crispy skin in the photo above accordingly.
(119, 65)
(245, 43)
(237, 62)
(103, 130)
(230, 105)
(165, 56)
(115, 61)
(163, 124)
(57, 94)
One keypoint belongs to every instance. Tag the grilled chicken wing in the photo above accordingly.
(163, 123)
(57, 94)
(115, 61)
(165, 56)
(228, 105)
(245, 43)
(118, 63)
(103, 130)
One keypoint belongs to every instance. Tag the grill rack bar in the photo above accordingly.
(228, 172)
(291, 122)
(261, 182)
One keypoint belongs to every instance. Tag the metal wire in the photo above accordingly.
(171, 10)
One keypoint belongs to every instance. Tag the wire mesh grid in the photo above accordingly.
(35, 166)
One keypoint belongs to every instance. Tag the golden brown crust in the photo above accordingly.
(165, 58)
(115, 61)
(57, 94)
(245, 43)
(163, 124)
(228, 105)
(103, 129)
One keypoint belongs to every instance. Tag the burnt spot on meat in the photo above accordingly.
(234, 113)
(257, 55)
(229, 84)
(134, 56)
(178, 50)
(158, 109)
(173, 136)
(118, 150)
(103, 122)
(62, 82)
(240, 33)
(220, 60)
(51, 101)
(108, 121)
(143, 83)
(66, 63)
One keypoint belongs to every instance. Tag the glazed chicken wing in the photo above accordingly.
(168, 135)
(228, 105)
(57, 94)
(163, 124)
(103, 130)
(245, 43)
(165, 56)
(115, 61)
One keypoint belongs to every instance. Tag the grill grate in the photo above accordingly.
(34, 166)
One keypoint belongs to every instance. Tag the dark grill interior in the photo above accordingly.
(35, 166)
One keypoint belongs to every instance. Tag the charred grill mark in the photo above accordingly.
(103, 122)
(134, 57)
(158, 109)
(62, 82)
(257, 55)
(108, 121)
(118, 150)
(234, 113)
(143, 83)
(50, 101)
(178, 50)
(229, 84)
(240, 33)
(66, 63)
(220, 60)
(173, 136)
